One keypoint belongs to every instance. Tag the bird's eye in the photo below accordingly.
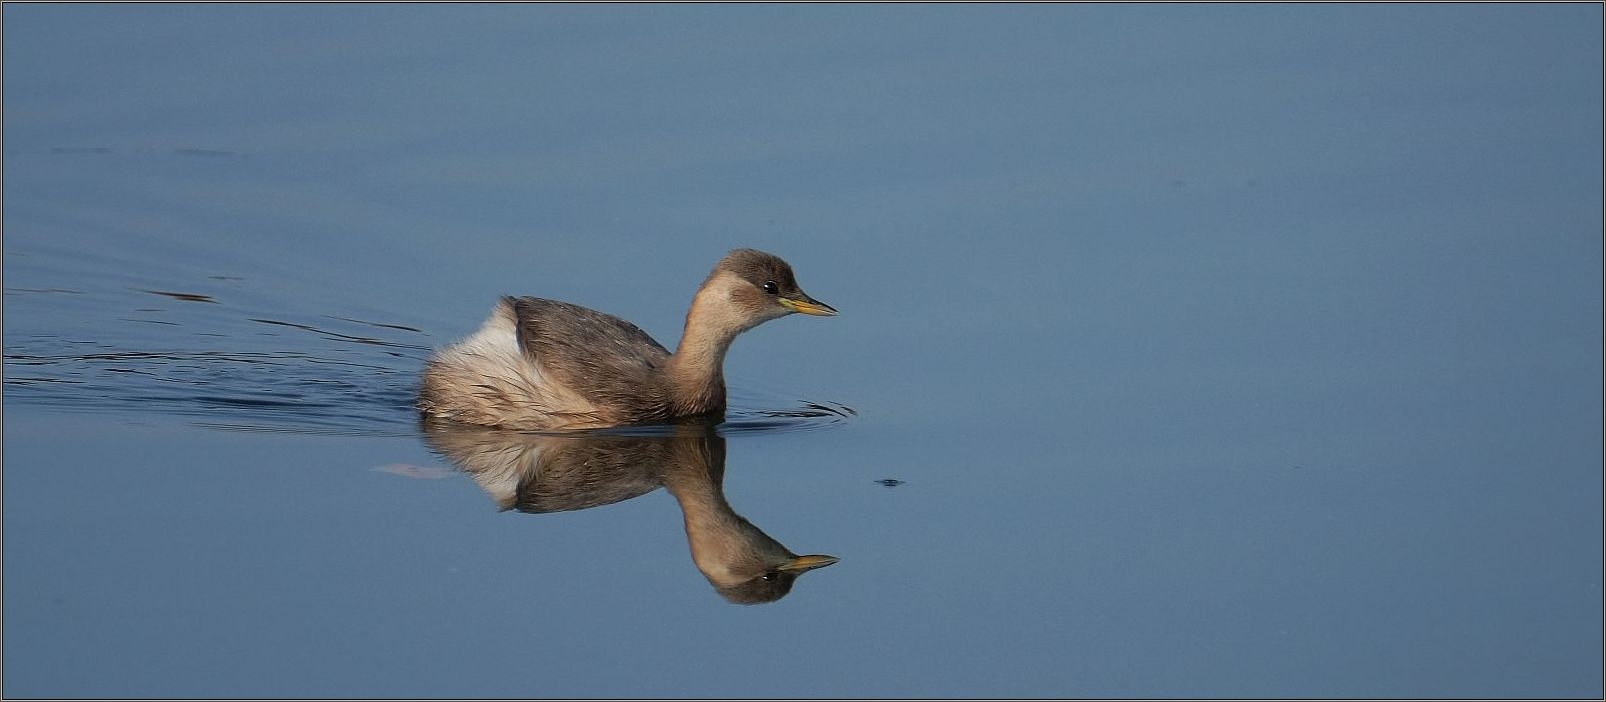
(769, 287)
(772, 575)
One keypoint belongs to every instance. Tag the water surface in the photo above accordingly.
(1191, 351)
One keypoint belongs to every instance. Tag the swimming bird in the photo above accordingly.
(539, 364)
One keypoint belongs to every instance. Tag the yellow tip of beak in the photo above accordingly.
(809, 306)
(808, 563)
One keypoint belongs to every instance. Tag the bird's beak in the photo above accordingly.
(808, 305)
(802, 563)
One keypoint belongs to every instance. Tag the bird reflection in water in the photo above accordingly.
(539, 473)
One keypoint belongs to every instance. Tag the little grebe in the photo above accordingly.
(543, 364)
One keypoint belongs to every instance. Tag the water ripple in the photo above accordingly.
(306, 391)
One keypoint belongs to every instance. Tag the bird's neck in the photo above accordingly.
(696, 374)
(696, 371)
(717, 535)
(696, 487)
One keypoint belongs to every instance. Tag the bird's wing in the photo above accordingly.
(596, 355)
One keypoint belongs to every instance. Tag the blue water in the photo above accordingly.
(1185, 351)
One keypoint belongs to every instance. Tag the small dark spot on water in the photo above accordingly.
(288, 401)
(226, 277)
(187, 297)
(889, 482)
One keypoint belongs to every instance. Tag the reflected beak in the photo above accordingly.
(802, 563)
(808, 305)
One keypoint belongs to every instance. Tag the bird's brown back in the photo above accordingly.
(607, 360)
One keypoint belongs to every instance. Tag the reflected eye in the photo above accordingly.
(770, 287)
(772, 575)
